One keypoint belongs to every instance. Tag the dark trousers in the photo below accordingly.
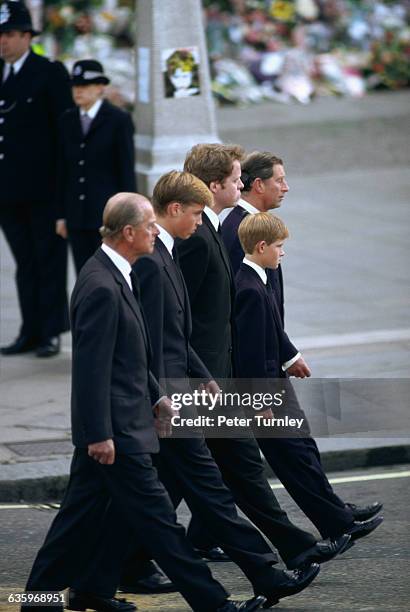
(41, 260)
(83, 244)
(130, 492)
(243, 472)
(297, 464)
(188, 471)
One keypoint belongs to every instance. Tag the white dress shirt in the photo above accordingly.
(119, 262)
(264, 278)
(91, 112)
(166, 239)
(17, 65)
(212, 216)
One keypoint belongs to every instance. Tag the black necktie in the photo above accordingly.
(175, 255)
(135, 286)
(219, 230)
(11, 76)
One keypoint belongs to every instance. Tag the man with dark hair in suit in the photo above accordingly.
(96, 160)
(210, 283)
(33, 94)
(295, 461)
(113, 485)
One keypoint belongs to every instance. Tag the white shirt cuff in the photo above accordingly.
(289, 363)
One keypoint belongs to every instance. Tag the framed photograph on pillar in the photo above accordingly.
(181, 72)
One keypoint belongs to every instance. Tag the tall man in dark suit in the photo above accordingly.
(296, 461)
(113, 392)
(33, 94)
(207, 272)
(96, 160)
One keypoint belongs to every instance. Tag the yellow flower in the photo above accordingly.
(282, 10)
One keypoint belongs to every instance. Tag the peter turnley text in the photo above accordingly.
(219, 421)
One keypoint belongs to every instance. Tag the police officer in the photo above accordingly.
(33, 93)
(95, 161)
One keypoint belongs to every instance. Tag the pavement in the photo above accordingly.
(347, 284)
(372, 576)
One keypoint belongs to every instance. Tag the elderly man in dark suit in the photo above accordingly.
(33, 94)
(96, 160)
(210, 282)
(113, 392)
(295, 461)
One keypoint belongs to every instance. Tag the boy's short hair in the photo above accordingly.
(258, 227)
(258, 165)
(212, 162)
(181, 187)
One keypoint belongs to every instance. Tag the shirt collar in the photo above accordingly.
(250, 208)
(258, 269)
(166, 238)
(18, 63)
(119, 262)
(212, 216)
(93, 110)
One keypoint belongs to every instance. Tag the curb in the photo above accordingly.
(51, 488)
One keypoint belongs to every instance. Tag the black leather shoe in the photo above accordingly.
(155, 583)
(22, 344)
(360, 529)
(82, 601)
(49, 347)
(365, 513)
(322, 551)
(215, 554)
(293, 582)
(242, 606)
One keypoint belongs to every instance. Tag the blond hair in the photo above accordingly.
(181, 187)
(261, 227)
(212, 162)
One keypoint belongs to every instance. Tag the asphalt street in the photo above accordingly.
(371, 576)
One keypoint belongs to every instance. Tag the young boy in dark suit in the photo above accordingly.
(257, 316)
(260, 338)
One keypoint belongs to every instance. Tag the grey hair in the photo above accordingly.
(121, 210)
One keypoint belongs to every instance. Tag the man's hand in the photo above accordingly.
(212, 387)
(266, 414)
(103, 452)
(300, 369)
(61, 228)
(164, 412)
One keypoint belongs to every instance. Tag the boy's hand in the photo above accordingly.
(300, 369)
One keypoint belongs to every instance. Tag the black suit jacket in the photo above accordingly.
(166, 306)
(209, 279)
(93, 168)
(263, 345)
(29, 114)
(230, 236)
(113, 390)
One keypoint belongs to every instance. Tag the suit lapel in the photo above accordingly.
(172, 271)
(218, 239)
(99, 119)
(126, 293)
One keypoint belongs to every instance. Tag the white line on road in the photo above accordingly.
(346, 479)
(342, 480)
(354, 339)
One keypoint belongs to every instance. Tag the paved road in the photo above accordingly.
(372, 576)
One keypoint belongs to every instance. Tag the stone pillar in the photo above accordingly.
(174, 106)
